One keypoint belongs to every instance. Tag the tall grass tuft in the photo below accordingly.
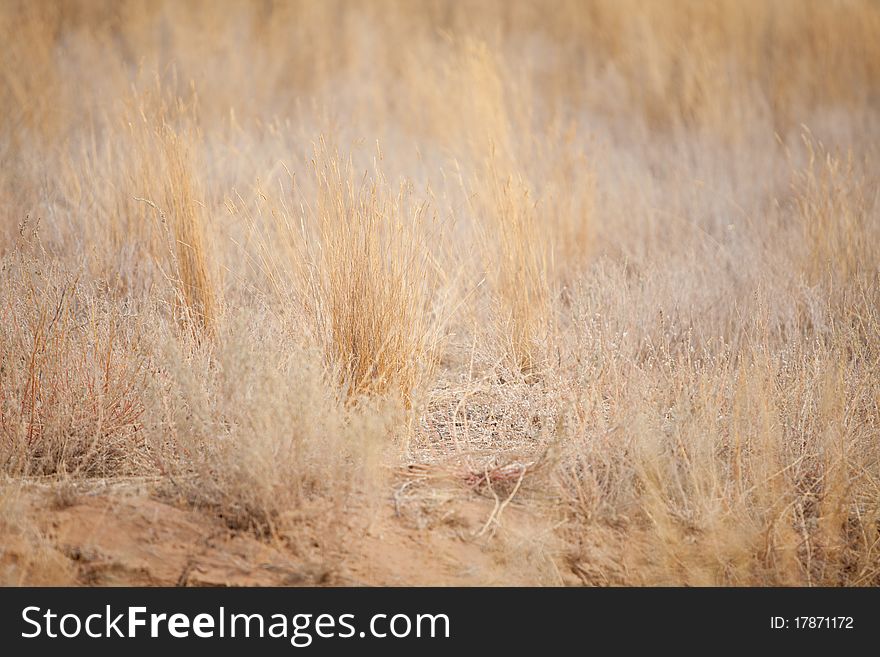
(196, 296)
(374, 294)
(356, 259)
(520, 266)
(834, 204)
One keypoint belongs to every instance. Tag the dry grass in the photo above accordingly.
(519, 263)
(260, 440)
(837, 206)
(270, 253)
(70, 373)
(195, 290)
(356, 262)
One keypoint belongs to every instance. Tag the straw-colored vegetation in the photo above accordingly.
(611, 264)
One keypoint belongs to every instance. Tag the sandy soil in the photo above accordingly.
(132, 535)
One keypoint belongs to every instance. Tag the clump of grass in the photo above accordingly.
(520, 266)
(375, 294)
(164, 206)
(531, 199)
(254, 434)
(834, 203)
(69, 388)
(196, 296)
(359, 265)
